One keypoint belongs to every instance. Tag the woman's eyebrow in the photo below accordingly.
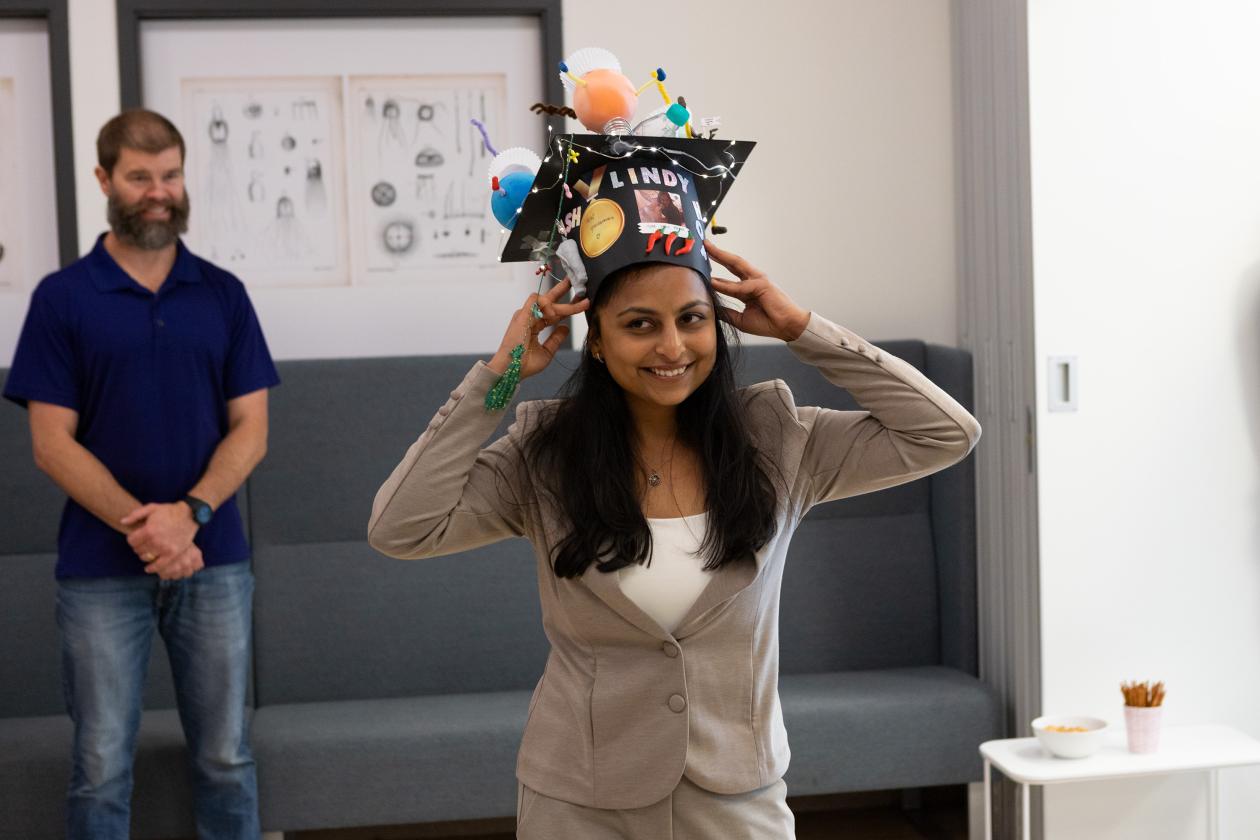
(648, 311)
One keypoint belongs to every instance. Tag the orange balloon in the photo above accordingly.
(606, 95)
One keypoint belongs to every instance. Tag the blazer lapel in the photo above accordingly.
(608, 589)
(724, 586)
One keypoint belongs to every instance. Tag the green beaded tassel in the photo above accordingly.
(505, 386)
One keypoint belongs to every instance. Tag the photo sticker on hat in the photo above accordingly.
(659, 207)
(602, 224)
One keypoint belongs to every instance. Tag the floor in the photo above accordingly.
(932, 814)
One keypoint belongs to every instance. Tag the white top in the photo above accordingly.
(667, 587)
(1181, 749)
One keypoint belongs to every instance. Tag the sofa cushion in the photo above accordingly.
(452, 757)
(339, 428)
(35, 769)
(384, 762)
(879, 730)
(337, 621)
(32, 502)
(859, 593)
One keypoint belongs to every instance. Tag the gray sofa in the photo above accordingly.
(390, 692)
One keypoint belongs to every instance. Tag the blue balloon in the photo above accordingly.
(504, 207)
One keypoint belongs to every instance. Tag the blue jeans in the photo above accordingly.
(106, 634)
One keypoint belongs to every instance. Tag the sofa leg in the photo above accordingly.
(975, 811)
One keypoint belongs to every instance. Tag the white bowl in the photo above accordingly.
(1070, 744)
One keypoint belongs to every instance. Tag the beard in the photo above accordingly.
(129, 224)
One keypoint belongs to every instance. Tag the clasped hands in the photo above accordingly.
(162, 536)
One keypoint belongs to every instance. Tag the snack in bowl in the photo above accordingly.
(1068, 736)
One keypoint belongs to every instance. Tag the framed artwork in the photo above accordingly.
(418, 169)
(265, 163)
(47, 93)
(334, 165)
(38, 230)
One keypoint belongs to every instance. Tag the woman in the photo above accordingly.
(660, 501)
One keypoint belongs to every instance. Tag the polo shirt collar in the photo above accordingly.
(108, 276)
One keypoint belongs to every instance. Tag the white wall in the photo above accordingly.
(848, 201)
(1145, 125)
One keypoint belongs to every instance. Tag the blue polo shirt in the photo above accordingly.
(150, 376)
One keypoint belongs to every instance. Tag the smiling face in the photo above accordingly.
(148, 207)
(657, 334)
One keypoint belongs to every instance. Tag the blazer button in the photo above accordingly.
(671, 649)
(677, 703)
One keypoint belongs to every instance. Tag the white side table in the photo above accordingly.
(1182, 749)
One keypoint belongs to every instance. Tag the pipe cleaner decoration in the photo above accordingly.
(553, 110)
(505, 386)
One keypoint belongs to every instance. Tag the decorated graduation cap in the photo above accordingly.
(600, 203)
(629, 193)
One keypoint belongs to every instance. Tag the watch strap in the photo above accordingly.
(201, 510)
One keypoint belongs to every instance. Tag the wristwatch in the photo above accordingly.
(201, 511)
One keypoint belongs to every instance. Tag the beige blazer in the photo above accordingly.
(624, 709)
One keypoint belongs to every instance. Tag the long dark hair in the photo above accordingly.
(585, 448)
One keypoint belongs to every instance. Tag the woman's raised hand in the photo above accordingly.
(768, 310)
(538, 354)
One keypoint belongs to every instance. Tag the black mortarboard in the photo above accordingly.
(602, 202)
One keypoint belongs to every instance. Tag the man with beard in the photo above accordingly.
(145, 374)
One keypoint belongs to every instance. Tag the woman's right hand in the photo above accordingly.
(538, 354)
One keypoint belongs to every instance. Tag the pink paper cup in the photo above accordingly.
(1142, 725)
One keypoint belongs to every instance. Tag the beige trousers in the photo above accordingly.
(689, 813)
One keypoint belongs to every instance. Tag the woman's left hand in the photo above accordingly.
(768, 310)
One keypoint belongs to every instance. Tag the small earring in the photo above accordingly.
(598, 357)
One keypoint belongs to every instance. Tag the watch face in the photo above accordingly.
(201, 511)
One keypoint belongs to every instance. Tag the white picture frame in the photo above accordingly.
(266, 169)
(417, 173)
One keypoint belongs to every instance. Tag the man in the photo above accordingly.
(145, 374)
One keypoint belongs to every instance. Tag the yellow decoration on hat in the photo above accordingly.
(602, 224)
